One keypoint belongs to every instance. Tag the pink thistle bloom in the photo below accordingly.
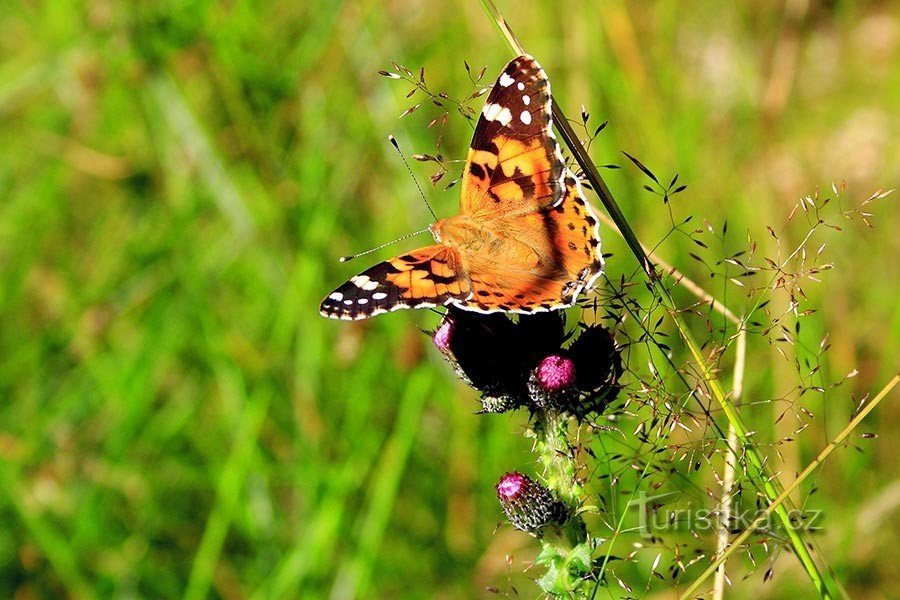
(510, 485)
(442, 336)
(556, 373)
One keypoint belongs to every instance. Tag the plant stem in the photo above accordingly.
(729, 468)
(560, 469)
(555, 452)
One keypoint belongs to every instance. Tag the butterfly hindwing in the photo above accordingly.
(428, 276)
(514, 161)
(561, 259)
(575, 237)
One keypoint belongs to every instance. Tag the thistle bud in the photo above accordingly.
(482, 349)
(528, 505)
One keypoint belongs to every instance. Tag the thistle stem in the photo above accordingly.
(555, 452)
(560, 469)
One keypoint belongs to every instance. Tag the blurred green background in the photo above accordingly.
(177, 180)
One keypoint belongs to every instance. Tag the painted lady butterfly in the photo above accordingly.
(526, 240)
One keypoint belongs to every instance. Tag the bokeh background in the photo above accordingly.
(178, 179)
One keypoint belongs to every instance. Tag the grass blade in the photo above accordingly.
(228, 493)
(353, 576)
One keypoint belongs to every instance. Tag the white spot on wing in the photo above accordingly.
(363, 282)
(496, 112)
(505, 80)
(379, 296)
(362, 301)
(348, 302)
(521, 86)
(490, 111)
(336, 296)
(525, 117)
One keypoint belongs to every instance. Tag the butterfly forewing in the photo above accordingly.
(428, 276)
(514, 163)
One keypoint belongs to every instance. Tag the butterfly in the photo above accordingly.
(525, 239)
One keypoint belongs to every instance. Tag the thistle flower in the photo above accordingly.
(524, 362)
(441, 335)
(598, 367)
(551, 383)
(594, 352)
(528, 505)
(477, 348)
(555, 373)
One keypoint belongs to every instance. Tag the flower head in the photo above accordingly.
(528, 505)
(555, 373)
(476, 347)
(597, 358)
(510, 486)
(526, 362)
(598, 363)
(494, 354)
(551, 383)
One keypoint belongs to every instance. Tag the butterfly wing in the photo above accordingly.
(429, 276)
(544, 260)
(514, 162)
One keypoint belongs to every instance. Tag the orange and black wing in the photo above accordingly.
(514, 163)
(547, 259)
(429, 276)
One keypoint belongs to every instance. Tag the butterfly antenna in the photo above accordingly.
(385, 245)
(411, 174)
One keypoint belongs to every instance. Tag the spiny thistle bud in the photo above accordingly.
(443, 338)
(551, 382)
(498, 403)
(598, 364)
(528, 505)
(597, 359)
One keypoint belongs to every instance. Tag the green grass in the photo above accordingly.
(178, 180)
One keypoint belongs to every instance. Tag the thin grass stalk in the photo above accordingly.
(767, 481)
(682, 280)
(779, 501)
(730, 460)
(729, 468)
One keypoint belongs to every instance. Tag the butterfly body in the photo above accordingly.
(525, 240)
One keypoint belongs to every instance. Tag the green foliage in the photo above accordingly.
(566, 570)
(178, 180)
